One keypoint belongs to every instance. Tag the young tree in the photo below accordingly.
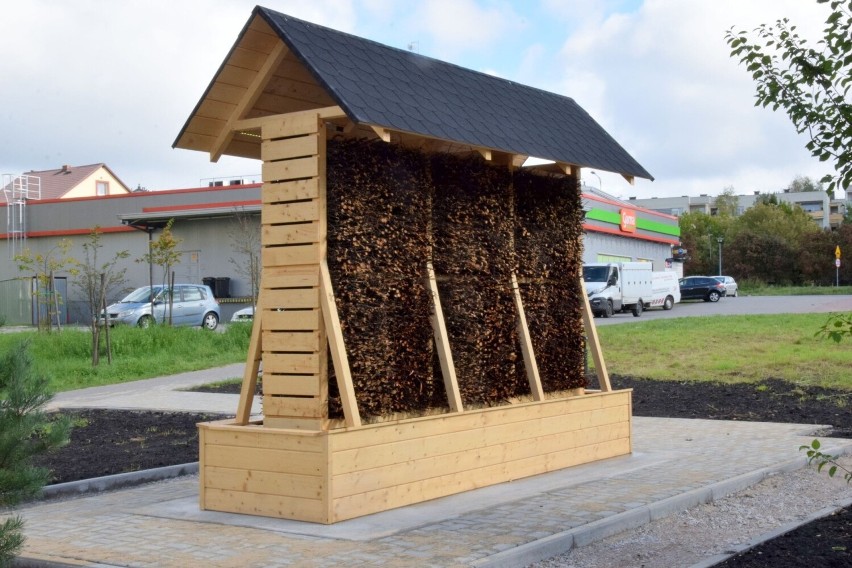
(804, 183)
(45, 266)
(811, 84)
(727, 202)
(245, 243)
(97, 279)
(25, 432)
(163, 253)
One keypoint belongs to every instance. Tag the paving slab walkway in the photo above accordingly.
(675, 464)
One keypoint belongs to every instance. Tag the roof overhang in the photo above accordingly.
(151, 220)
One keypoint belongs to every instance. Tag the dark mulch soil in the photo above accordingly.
(106, 442)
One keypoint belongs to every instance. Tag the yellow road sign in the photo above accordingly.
(837, 252)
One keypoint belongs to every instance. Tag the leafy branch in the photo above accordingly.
(822, 459)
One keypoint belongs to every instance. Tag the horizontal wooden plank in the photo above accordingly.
(531, 433)
(300, 211)
(291, 340)
(293, 124)
(288, 148)
(257, 39)
(234, 75)
(293, 385)
(306, 425)
(383, 475)
(303, 233)
(310, 510)
(374, 501)
(215, 109)
(274, 192)
(288, 363)
(264, 459)
(291, 298)
(259, 437)
(290, 169)
(287, 277)
(294, 407)
(290, 255)
(431, 425)
(300, 320)
(248, 59)
(264, 482)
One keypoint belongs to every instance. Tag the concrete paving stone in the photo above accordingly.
(158, 524)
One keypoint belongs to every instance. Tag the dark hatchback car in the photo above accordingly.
(701, 288)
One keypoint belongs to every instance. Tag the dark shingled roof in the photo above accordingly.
(404, 91)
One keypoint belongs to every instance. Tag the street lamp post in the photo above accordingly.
(719, 240)
(600, 183)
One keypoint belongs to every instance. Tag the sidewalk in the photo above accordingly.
(676, 464)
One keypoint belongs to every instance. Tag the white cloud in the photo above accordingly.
(661, 81)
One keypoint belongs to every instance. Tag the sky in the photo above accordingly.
(113, 81)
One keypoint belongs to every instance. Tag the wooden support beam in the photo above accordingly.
(594, 343)
(567, 169)
(325, 113)
(338, 349)
(442, 344)
(630, 179)
(253, 92)
(255, 352)
(382, 133)
(485, 153)
(526, 344)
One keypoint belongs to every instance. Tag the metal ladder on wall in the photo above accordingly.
(17, 190)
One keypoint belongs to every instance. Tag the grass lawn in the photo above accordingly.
(746, 348)
(137, 353)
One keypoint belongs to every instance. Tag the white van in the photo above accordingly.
(665, 290)
(617, 287)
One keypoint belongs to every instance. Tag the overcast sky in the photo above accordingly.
(113, 81)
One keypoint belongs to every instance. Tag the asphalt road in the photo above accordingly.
(741, 305)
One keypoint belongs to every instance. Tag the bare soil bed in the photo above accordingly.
(106, 442)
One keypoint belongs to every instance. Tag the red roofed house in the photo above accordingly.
(75, 181)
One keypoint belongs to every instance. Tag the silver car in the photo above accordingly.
(191, 304)
(731, 288)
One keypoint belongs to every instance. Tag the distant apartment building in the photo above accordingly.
(827, 212)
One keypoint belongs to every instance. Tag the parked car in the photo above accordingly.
(245, 314)
(701, 288)
(731, 288)
(192, 304)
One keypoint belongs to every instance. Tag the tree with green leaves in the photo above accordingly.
(801, 184)
(46, 266)
(97, 279)
(26, 431)
(811, 83)
(163, 253)
(727, 202)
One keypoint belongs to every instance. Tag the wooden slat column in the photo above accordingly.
(293, 240)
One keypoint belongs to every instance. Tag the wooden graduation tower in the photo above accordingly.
(284, 88)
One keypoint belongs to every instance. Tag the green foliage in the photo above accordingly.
(822, 460)
(811, 84)
(804, 183)
(727, 202)
(45, 266)
(25, 432)
(139, 353)
(2, 320)
(163, 251)
(767, 346)
(97, 279)
(837, 327)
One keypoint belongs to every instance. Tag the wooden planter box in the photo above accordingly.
(334, 475)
